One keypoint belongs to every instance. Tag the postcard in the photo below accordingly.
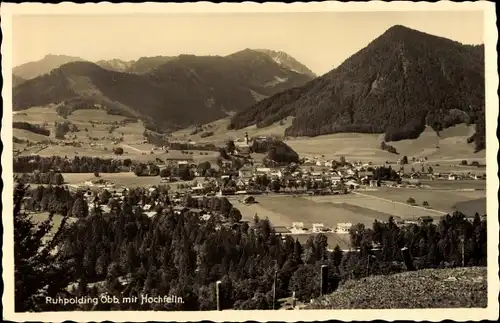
(244, 161)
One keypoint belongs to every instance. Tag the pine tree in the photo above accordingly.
(38, 269)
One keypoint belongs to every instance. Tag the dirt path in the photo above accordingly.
(133, 148)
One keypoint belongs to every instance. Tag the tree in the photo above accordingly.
(230, 146)
(410, 200)
(425, 203)
(336, 256)
(404, 161)
(57, 179)
(118, 150)
(463, 162)
(96, 174)
(165, 172)
(274, 186)
(38, 270)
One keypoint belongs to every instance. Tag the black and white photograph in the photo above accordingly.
(234, 162)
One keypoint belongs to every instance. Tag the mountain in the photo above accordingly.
(16, 80)
(288, 62)
(141, 66)
(398, 83)
(45, 65)
(117, 65)
(183, 91)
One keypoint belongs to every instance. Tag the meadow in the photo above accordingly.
(444, 152)
(440, 200)
(446, 149)
(39, 217)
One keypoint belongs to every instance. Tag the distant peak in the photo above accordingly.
(400, 30)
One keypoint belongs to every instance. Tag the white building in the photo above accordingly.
(318, 227)
(298, 225)
(343, 227)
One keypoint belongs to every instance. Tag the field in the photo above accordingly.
(56, 221)
(133, 145)
(354, 146)
(472, 206)
(128, 179)
(429, 288)
(355, 208)
(441, 200)
(331, 210)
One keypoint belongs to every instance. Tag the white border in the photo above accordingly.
(462, 314)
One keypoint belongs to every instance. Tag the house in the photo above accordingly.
(452, 177)
(263, 170)
(278, 174)
(150, 214)
(243, 149)
(298, 225)
(373, 183)
(320, 163)
(328, 164)
(281, 230)
(365, 174)
(343, 228)
(245, 172)
(198, 212)
(318, 227)
(352, 184)
(180, 209)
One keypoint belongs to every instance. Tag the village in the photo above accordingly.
(243, 181)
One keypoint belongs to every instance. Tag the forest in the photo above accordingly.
(77, 164)
(126, 253)
(31, 127)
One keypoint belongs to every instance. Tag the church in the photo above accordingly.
(243, 148)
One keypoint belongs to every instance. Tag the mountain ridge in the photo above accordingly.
(182, 91)
(399, 82)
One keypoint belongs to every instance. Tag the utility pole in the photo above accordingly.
(368, 266)
(274, 288)
(463, 251)
(217, 294)
(324, 274)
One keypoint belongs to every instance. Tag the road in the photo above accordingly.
(133, 148)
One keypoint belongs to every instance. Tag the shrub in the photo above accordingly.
(118, 151)
(411, 200)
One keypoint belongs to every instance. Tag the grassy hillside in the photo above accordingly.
(429, 288)
(400, 82)
(449, 146)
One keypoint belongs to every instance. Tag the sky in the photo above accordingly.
(321, 40)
